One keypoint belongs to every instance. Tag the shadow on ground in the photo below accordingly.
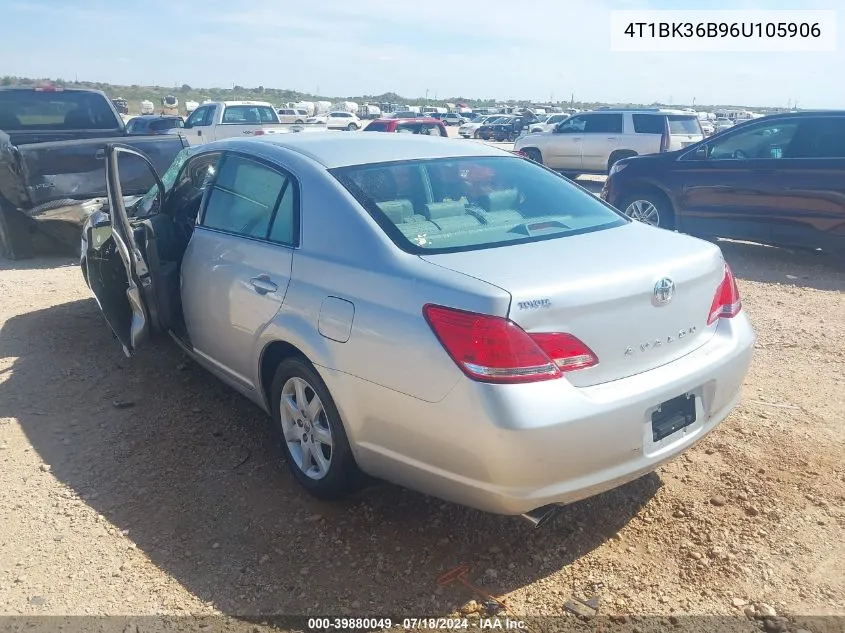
(191, 472)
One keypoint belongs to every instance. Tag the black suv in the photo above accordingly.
(778, 179)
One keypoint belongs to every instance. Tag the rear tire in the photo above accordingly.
(351, 127)
(306, 426)
(650, 207)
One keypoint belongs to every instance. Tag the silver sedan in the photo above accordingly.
(438, 313)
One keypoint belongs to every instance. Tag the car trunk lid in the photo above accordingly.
(607, 288)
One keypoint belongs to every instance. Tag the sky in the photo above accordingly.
(502, 49)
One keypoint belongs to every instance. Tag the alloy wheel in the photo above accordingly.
(306, 428)
(643, 211)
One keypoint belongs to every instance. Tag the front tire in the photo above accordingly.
(312, 433)
(649, 207)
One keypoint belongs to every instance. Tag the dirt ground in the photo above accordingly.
(145, 486)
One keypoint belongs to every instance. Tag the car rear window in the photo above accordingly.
(680, 124)
(462, 204)
(165, 124)
(32, 110)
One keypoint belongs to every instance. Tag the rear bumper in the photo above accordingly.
(509, 449)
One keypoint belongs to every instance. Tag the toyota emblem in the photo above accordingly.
(664, 290)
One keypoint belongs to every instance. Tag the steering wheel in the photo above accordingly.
(740, 155)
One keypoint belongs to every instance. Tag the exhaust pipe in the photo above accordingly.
(539, 516)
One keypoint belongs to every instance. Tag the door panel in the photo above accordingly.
(809, 210)
(563, 147)
(237, 266)
(126, 296)
(728, 198)
(232, 287)
(602, 135)
(199, 125)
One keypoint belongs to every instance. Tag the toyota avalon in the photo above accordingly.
(441, 314)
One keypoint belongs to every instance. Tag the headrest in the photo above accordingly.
(397, 211)
(451, 208)
(499, 200)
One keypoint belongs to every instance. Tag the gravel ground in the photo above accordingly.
(145, 486)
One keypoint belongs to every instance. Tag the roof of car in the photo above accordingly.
(802, 113)
(332, 150)
(147, 117)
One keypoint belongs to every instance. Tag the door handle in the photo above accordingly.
(263, 285)
(100, 154)
(199, 132)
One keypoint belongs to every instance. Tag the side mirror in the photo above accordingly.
(188, 125)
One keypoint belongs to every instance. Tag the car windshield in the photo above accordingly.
(461, 204)
(149, 202)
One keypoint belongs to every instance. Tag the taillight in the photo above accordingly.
(664, 140)
(494, 349)
(520, 152)
(258, 133)
(726, 303)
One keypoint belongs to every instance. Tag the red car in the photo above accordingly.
(427, 125)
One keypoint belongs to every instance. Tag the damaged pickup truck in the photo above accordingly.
(52, 178)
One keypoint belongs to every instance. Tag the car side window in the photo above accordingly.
(573, 125)
(284, 229)
(768, 140)
(649, 123)
(604, 124)
(822, 137)
(197, 117)
(243, 198)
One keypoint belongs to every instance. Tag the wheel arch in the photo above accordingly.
(619, 154)
(272, 355)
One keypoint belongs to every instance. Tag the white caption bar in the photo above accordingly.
(722, 31)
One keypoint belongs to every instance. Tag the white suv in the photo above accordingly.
(591, 142)
(342, 121)
(289, 115)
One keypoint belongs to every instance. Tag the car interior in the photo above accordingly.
(162, 235)
(448, 204)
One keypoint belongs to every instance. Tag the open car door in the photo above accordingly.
(118, 272)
